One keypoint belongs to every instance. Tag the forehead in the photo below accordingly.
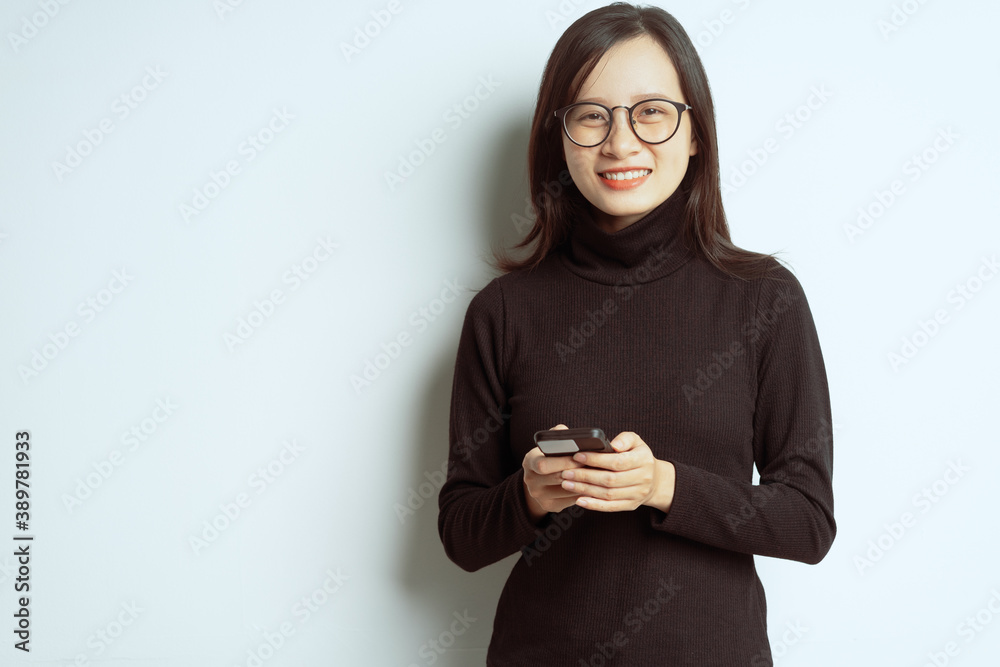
(630, 71)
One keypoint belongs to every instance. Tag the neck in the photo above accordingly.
(610, 224)
(613, 251)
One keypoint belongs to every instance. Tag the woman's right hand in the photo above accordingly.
(543, 481)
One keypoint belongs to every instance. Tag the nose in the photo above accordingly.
(622, 140)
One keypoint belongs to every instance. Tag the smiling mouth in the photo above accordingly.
(625, 175)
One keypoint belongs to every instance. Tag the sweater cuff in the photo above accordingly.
(681, 511)
(526, 529)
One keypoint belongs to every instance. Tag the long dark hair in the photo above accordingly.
(557, 201)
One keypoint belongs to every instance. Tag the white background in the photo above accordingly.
(359, 455)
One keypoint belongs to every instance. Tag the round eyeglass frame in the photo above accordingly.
(561, 115)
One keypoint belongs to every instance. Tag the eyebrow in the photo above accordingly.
(635, 98)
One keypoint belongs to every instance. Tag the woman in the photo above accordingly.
(635, 314)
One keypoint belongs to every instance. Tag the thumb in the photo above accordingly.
(559, 427)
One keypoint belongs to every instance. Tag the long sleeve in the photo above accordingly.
(483, 514)
(789, 514)
(635, 331)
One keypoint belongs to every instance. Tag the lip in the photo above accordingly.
(618, 169)
(624, 185)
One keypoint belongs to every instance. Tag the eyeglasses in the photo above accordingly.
(653, 121)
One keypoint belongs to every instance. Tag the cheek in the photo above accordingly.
(576, 164)
(567, 149)
(677, 157)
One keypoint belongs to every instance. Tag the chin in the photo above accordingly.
(631, 211)
(623, 205)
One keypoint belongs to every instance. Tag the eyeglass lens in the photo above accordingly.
(654, 121)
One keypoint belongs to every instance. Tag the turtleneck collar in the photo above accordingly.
(646, 250)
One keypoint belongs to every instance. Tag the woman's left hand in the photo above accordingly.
(623, 480)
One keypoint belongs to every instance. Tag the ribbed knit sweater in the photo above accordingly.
(631, 331)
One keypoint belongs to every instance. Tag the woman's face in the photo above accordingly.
(630, 71)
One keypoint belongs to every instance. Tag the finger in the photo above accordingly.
(605, 505)
(608, 460)
(532, 459)
(555, 479)
(553, 491)
(625, 441)
(608, 478)
(548, 465)
(541, 464)
(634, 492)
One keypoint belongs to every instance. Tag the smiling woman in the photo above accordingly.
(644, 149)
(637, 315)
(619, 56)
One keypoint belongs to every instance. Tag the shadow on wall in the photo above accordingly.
(440, 587)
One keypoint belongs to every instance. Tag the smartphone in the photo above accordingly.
(568, 441)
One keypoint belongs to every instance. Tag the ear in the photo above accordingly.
(694, 146)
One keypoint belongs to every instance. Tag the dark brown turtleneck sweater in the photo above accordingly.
(631, 332)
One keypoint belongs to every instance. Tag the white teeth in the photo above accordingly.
(625, 175)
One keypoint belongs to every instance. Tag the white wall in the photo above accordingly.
(335, 127)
